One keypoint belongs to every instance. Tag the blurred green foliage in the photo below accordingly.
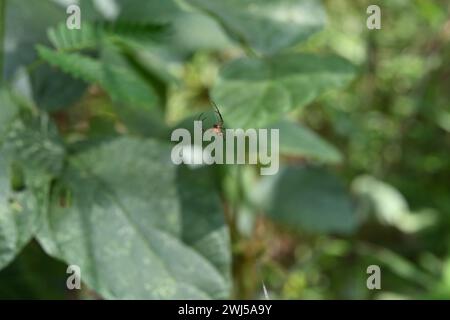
(85, 169)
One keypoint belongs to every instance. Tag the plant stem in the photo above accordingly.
(2, 36)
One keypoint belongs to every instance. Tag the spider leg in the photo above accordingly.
(218, 112)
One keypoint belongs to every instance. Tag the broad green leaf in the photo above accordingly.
(19, 215)
(121, 83)
(268, 25)
(135, 227)
(201, 215)
(255, 92)
(298, 140)
(306, 199)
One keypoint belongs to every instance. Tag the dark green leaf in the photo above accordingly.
(90, 35)
(256, 92)
(121, 83)
(298, 140)
(306, 199)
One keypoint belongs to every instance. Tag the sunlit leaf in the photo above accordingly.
(267, 26)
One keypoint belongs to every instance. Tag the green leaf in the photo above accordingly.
(256, 92)
(90, 35)
(35, 142)
(298, 140)
(143, 119)
(30, 154)
(63, 38)
(201, 214)
(306, 199)
(53, 89)
(19, 215)
(148, 11)
(267, 26)
(122, 84)
(136, 229)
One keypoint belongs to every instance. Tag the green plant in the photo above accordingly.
(85, 166)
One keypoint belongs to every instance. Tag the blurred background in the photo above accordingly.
(365, 155)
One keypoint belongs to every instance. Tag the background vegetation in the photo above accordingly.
(86, 178)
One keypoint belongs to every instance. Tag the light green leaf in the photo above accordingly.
(256, 92)
(306, 199)
(35, 143)
(19, 215)
(63, 38)
(268, 26)
(121, 83)
(298, 140)
(388, 205)
(136, 229)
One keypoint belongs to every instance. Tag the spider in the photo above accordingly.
(218, 126)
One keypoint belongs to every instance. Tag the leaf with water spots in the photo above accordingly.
(138, 226)
(19, 213)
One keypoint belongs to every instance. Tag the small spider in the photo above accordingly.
(218, 126)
